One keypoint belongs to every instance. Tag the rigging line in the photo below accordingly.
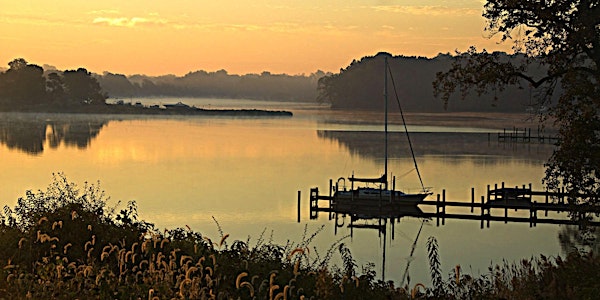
(405, 127)
(412, 251)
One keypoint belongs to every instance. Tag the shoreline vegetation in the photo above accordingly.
(27, 87)
(129, 109)
(66, 243)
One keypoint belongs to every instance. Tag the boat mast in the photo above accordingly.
(385, 96)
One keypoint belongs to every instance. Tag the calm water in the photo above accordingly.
(246, 173)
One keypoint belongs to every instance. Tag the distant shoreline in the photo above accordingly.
(144, 110)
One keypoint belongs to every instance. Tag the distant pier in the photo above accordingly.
(523, 135)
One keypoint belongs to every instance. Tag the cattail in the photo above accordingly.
(416, 289)
(142, 264)
(210, 271)
(85, 247)
(42, 219)
(162, 244)
(190, 271)
(296, 267)
(457, 273)
(297, 250)
(183, 259)
(181, 286)
(239, 279)
(272, 290)
(66, 247)
(88, 271)
(200, 261)
(223, 240)
(249, 286)
(145, 245)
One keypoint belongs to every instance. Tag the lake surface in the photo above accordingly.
(245, 172)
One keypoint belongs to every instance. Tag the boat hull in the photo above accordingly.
(377, 203)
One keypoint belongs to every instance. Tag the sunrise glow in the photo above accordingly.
(175, 37)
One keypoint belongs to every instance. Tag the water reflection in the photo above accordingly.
(32, 133)
(481, 145)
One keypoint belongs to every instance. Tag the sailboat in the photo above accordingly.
(378, 201)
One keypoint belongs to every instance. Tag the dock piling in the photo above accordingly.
(299, 199)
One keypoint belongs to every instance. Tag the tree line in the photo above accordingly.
(360, 86)
(25, 85)
(219, 84)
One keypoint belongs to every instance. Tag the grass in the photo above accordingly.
(66, 243)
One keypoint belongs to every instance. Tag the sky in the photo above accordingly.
(155, 37)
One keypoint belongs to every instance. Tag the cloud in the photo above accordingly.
(128, 22)
(430, 10)
(104, 12)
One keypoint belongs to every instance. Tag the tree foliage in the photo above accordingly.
(359, 86)
(26, 85)
(559, 42)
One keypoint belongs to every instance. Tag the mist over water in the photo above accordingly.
(245, 172)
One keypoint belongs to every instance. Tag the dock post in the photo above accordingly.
(472, 198)
(314, 203)
(299, 206)
(330, 194)
(531, 215)
(437, 211)
(444, 207)
(482, 200)
(546, 211)
(336, 225)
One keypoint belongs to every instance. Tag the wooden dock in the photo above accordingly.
(523, 135)
(498, 205)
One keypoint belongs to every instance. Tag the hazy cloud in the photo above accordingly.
(128, 22)
(430, 10)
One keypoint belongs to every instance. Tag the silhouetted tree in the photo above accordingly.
(564, 36)
(22, 84)
(55, 88)
(81, 87)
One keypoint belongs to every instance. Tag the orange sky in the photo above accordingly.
(284, 36)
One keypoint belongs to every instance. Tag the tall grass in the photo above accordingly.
(65, 243)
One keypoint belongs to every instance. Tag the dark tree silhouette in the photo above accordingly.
(81, 87)
(564, 36)
(22, 84)
(23, 87)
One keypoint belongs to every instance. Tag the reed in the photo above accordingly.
(77, 249)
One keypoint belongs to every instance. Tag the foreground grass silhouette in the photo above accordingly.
(66, 243)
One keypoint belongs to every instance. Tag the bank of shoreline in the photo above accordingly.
(113, 109)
